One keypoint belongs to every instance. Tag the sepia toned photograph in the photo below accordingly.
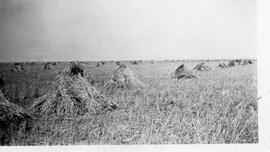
(128, 72)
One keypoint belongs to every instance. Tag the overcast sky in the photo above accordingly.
(126, 29)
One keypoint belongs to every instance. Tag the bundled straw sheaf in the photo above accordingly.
(72, 96)
(222, 65)
(233, 63)
(17, 68)
(12, 120)
(10, 112)
(100, 63)
(48, 66)
(202, 67)
(123, 77)
(246, 62)
(134, 62)
(239, 62)
(182, 73)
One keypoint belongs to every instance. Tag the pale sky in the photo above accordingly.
(40, 30)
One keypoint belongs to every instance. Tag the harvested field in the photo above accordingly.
(217, 107)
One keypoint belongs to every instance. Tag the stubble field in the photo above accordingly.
(219, 106)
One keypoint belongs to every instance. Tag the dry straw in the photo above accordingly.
(246, 62)
(182, 73)
(233, 63)
(10, 112)
(17, 68)
(100, 63)
(48, 66)
(202, 67)
(134, 62)
(239, 62)
(72, 96)
(123, 77)
(222, 65)
(11, 119)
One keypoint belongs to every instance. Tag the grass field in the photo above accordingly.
(219, 106)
